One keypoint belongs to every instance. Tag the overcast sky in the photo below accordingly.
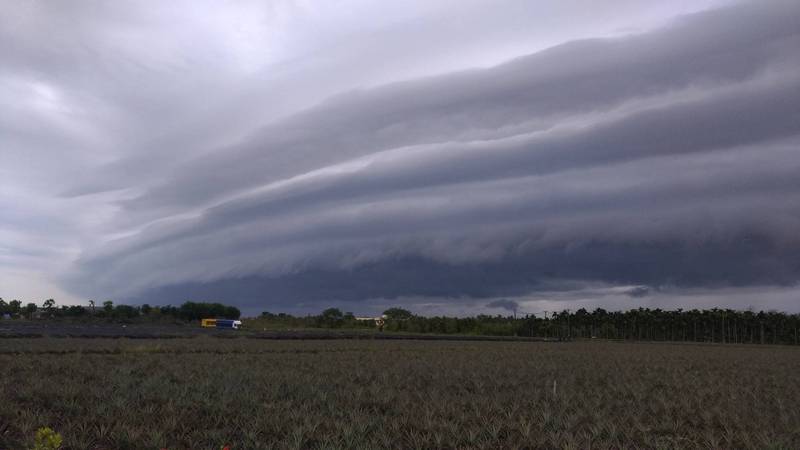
(437, 155)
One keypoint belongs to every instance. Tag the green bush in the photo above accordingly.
(47, 439)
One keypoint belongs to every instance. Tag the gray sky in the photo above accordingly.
(441, 156)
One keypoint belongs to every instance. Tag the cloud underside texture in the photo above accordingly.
(665, 158)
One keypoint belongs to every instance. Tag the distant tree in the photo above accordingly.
(125, 312)
(15, 306)
(146, 309)
(332, 313)
(73, 311)
(190, 311)
(331, 317)
(398, 314)
(197, 311)
(232, 312)
(49, 305)
(108, 307)
(91, 305)
(30, 308)
(3, 306)
(169, 310)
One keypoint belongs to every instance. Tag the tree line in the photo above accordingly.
(711, 325)
(187, 311)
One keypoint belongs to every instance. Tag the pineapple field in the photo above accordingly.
(204, 392)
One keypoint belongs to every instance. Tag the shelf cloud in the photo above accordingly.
(658, 160)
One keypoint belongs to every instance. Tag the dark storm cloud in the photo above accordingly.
(665, 158)
(638, 291)
(509, 305)
(534, 93)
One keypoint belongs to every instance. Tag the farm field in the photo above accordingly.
(205, 392)
(100, 330)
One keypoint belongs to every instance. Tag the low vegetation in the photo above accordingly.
(205, 392)
(188, 311)
(712, 325)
